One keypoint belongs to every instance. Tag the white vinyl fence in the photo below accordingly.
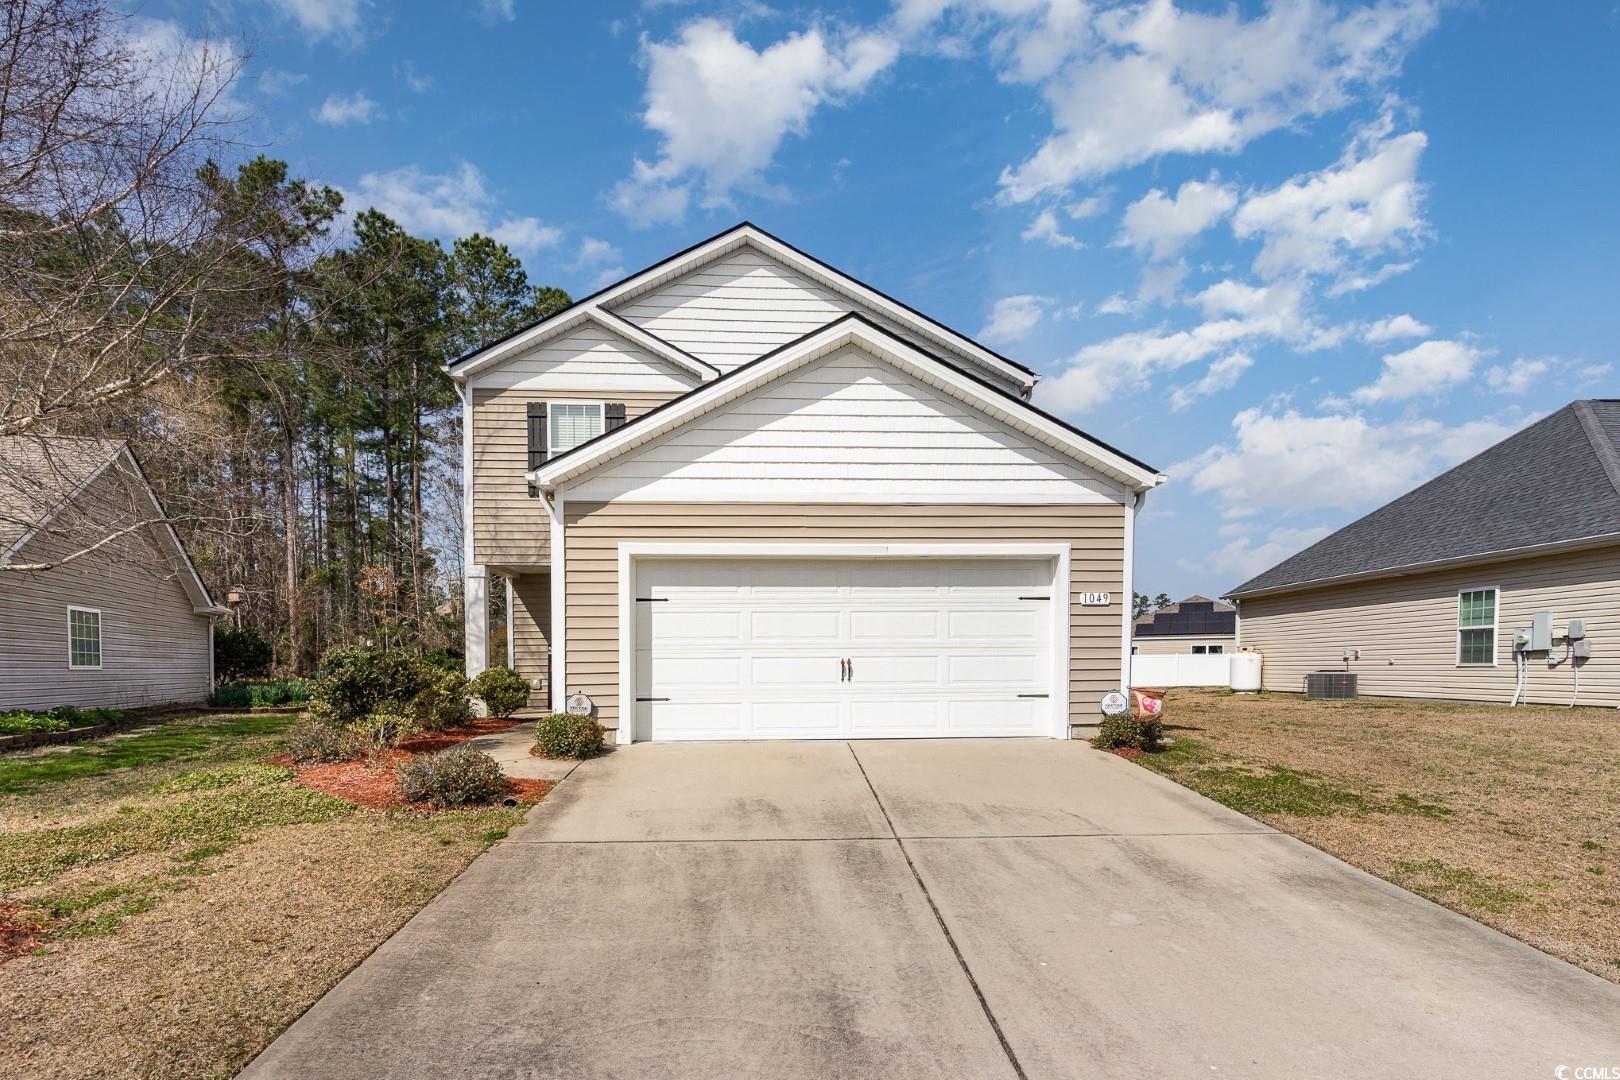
(1181, 669)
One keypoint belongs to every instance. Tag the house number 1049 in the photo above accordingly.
(1095, 599)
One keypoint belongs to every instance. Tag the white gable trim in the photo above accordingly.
(693, 258)
(851, 329)
(627, 331)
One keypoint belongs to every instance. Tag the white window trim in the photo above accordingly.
(100, 639)
(1496, 626)
(551, 428)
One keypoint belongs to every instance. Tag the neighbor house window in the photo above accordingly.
(1476, 626)
(84, 638)
(1200, 650)
(1214, 649)
(571, 423)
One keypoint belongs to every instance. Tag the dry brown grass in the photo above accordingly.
(190, 928)
(1509, 816)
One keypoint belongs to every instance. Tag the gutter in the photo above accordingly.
(1408, 569)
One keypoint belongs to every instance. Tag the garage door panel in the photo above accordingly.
(755, 648)
(1020, 624)
(806, 670)
(789, 625)
(667, 623)
(889, 624)
(970, 669)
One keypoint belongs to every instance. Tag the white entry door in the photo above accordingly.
(842, 648)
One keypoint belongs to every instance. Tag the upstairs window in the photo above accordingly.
(1476, 626)
(84, 639)
(570, 423)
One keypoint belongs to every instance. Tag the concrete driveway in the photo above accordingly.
(931, 909)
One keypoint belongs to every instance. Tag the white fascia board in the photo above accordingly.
(629, 332)
(879, 343)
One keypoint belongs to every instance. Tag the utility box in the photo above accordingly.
(1575, 630)
(1541, 631)
(1330, 684)
(1580, 649)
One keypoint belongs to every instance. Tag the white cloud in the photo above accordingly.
(1526, 373)
(601, 260)
(1241, 558)
(337, 19)
(338, 110)
(1013, 317)
(453, 205)
(1341, 219)
(1586, 373)
(1114, 304)
(1393, 329)
(172, 62)
(1223, 374)
(1090, 206)
(1045, 227)
(722, 109)
(273, 82)
(1128, 83)
(1161, 225)
(497, 10)
(1423, 369)
(416, 83)
(1294, 462)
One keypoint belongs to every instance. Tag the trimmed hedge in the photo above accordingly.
(459, 776)
(567, 736)
(1129, 733)
(502, 690)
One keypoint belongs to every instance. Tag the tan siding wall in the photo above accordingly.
(1406, 630)
(1169, 646)
(154, 650)
(1095, 535)
(509, 527)
(531, 632)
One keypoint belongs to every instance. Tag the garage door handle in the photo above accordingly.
(843, 670)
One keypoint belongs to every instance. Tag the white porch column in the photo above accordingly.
(475, 597)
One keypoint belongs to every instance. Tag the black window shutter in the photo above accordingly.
(537, 439)
(613, 415)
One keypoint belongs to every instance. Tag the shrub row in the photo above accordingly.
(253, 695)
(459, 776)
(365, 700)
(61, 718)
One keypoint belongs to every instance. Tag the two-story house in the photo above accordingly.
(742, 495)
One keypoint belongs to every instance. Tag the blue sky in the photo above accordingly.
(1299, 256)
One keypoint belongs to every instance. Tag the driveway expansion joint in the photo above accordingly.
(961, 961)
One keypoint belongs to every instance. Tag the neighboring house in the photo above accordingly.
(1196, 625)
(1422, 597)
(742, 495)
(99, 604)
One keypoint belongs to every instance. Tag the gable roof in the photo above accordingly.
(1194, 615)
(1554, 484)
(853, 328)
(746, 234)
(42, 476)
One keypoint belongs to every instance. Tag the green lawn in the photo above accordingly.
(194, 899)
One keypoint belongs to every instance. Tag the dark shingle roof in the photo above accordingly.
(1194, 615)
(1557, 481)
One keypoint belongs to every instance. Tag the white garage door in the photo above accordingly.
(842, 648)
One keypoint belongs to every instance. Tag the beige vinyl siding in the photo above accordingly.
(744, 304)
(511, 528)
(154, 648)
(1406, 629)
(530, 621)
(1182, 644)
(1095, 534)
(846, 425)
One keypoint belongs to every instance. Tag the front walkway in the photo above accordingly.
(931, 909)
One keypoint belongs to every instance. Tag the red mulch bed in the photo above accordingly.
(18, 932)
(374, 785)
